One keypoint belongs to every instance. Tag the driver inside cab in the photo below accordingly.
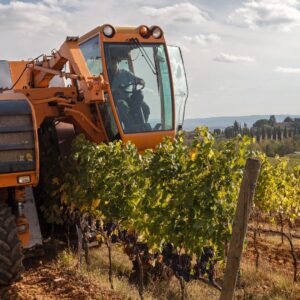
(128, 96)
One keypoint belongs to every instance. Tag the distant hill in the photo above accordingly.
(223, 122)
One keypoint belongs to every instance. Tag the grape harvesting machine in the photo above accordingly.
(112, 83)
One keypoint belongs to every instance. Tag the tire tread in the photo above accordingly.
(11, 255)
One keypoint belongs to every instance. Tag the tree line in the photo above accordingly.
(272, 137)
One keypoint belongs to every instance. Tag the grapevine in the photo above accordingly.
(181, 195)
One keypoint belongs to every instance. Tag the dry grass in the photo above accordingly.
(99, 272)
(263, 284)
(121, 270)
(266, 283)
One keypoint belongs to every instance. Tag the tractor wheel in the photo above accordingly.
(11, 256)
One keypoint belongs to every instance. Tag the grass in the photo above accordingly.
(262, 284)
(266, 284)
(121, 271)
(294, 159)
(99, 272)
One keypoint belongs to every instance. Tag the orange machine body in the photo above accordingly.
(79, 101)
(35, 85)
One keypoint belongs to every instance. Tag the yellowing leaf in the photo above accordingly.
(95, 203)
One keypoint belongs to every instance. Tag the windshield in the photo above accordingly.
(140, 84)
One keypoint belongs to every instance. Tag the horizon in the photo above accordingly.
(240, 116)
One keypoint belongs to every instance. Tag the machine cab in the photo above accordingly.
(147, 88)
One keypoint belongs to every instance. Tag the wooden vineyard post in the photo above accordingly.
(239, 227)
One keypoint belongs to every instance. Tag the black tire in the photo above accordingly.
(11, 255)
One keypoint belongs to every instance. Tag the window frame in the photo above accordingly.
(105, 72)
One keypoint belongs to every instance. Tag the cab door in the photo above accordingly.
(179, 84)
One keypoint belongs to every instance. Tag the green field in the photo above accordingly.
(294, 159)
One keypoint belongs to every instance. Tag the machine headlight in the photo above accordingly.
(24, 179)
(108, 31)
(156, 32)
(144, 31)
(22, 228)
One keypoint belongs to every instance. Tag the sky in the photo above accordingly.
(241, 57)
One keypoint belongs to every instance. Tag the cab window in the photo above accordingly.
(92, 54)
(140, 82)
(179, 83)
(5, 76)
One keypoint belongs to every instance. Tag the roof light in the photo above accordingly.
(156, 32)
(144, 31)
(108, 30)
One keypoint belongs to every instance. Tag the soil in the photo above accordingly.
(42, 280)
(272, 250)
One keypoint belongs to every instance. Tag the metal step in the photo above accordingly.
(32, 217)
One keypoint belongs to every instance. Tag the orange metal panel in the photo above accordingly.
(124, 37)
(16, 69)
(148, 139)
(42, 93)
(11, 179)
(122, 34)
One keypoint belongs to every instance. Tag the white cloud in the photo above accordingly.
(287, 70)
(32, 27)
(279, 14)
(180, 44)
(182, 12)
(229, 58)
(31, 18)
(202, 39)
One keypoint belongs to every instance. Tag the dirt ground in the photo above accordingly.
(44, 279)
(271, 249)
(47, 282)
